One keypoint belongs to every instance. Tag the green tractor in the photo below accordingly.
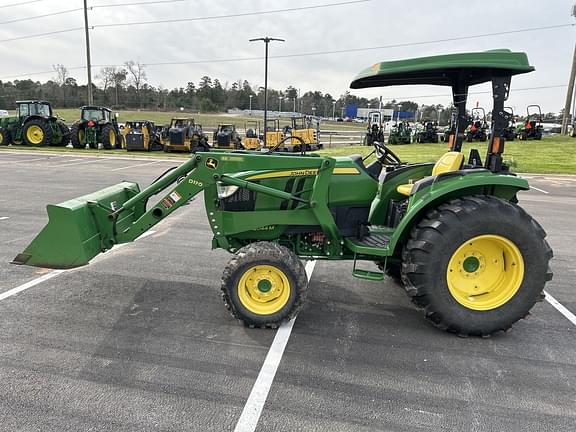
(35, 125)
(97, 125)
(375, 128)
(477, 130)
(400, 133)
(428, 134)
(532, 128)
(452, 231)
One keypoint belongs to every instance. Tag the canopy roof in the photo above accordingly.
(473, 68)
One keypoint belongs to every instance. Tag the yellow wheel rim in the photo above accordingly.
(485, 272)
(1, 137)
(81, 136)
(264, 289)
(35, 134)
(112, 137)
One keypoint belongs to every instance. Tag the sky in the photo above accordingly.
(351, 26)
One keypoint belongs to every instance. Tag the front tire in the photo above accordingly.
(4, 136)
(78, 136)
(476, 265)
(264, 284)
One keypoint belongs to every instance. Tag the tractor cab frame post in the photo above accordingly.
(500, 120)
(459, 97)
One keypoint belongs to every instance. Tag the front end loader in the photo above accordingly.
(452, 231)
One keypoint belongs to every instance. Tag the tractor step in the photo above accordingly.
(371, 244)
(366, 274)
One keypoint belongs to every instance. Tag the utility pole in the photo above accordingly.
(570, 91)
(266, 41)
(88, 63)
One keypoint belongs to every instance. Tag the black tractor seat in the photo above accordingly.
(373, 170)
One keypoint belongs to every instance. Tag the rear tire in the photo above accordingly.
(264, 284)
(5, 137)
(109, 137)
(502, 285)
(37, 132)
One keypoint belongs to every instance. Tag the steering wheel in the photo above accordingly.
(384, 155)
(301, 147)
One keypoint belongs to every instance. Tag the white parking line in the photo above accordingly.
(539, 190)
(255, 403)
(76, 163)
(134, 166)
(560, 308)
(55, 273)
(30, 160)
(4, 217)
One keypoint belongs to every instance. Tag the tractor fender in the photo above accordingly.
(448, 186)
(36, 117)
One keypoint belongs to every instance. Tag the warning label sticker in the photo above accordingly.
(171, 199)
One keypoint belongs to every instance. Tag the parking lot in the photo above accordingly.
(140, 339)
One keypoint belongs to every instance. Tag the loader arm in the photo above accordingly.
(81, 228)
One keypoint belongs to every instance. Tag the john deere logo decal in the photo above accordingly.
(212, 163)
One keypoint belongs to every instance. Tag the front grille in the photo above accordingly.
(177, 137)
(242, 200)
(134, 141)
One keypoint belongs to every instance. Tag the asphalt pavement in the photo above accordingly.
(140, 340)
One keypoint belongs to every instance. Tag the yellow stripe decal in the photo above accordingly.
(301, 173)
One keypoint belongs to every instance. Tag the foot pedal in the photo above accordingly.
(366, 274)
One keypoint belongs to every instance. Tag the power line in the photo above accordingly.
(19, 4)
(315, 53)
(138, 3)
(42, 34)
(237, 15)
(40, 16)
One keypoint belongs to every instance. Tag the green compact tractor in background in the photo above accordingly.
(400, 133)
(35, 125)
(429, 134)
(375, 128)
(477, 130)
(452, 231)
(532, 128)
(97, 125)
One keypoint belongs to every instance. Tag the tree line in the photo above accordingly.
(127, 87)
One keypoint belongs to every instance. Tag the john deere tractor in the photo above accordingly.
(532, 128)
(375, 128)
(428, 134)
(97, 125)
(477, 129)
(401, 133)
(35, 125)
(452, 232)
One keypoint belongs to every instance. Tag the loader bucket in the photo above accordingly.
(78, 229)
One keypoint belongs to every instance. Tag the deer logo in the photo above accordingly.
(212, 163)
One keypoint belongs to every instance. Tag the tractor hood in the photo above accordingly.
(446, 70)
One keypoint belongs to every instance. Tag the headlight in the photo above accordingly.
(224, 191)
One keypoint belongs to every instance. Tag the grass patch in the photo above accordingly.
(552, 155)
